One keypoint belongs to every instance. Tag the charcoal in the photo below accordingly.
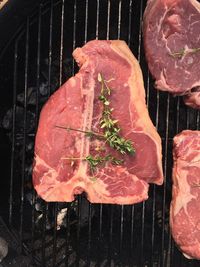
(84, 210)
(7, 120)
(38, 205)
(30, 145)
(31, 96)
(60, 217)
(19, 139)
(43, 89)
(19, 122)
(3, 248)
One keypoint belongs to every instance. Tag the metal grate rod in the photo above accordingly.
(129, 22)
(121, 230)
(50, 48)
(78, 233)
(97, 21)
(140, 31)
(132, 231)
(24, 132)
(61, 41)
(119, 19)
(89, 233)
(74, 34)
(13, 133)
(143, 203)
(198, 120)
(86, 21)
(36, 119)
(110, 237)
(108, 21)
(154, 187)
(45, 209)
(67, 238)
(164, 185)
(55, 234)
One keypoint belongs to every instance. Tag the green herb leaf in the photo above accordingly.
(109, 124)
(95, 161)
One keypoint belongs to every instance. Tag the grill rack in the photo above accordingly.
(92, 235)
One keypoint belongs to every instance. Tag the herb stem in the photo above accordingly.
(89, 133)
(94, 161)
(110, 125)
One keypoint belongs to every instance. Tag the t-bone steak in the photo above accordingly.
(60, 169)
(185, 207)
(172, 46)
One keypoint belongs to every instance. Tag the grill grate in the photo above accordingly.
(90, 235)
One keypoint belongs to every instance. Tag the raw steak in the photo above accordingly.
(76, 104)
(185, 208)
(172, 46)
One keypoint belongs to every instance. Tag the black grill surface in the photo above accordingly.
(34, 65)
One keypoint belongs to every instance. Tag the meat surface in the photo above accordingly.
(185, 208)
(58, 177)
(172, 46)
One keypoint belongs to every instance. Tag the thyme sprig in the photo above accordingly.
(94, 161)
(110, 133)
(110, 125)
(87, 133)
(182, 52)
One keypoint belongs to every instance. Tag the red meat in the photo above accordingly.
(76, 104)
(185, 208)
(172, 46)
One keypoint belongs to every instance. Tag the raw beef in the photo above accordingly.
(185, 208)
(76, 104)
(172, 46)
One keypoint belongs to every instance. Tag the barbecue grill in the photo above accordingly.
(34, 63)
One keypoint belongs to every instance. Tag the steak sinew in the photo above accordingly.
(172, 46)
(185, 208)
(76, 104)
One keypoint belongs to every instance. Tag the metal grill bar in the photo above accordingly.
(154, 187)
(140, 31)
(13, 133)
(108, 21)
(78, 233)
(198, 120)
(164, 185)
(97, 21)
(50, 48)
(129, 24)
(86, 20)
(24, 133)
(89, 234)
(100, 221)
(110, 249)
(143, 204)
(119, 19)
(45, 209)
(121, 230)
(36, 120)
(61, 41)
(74, 35)
(177, 115)
(67, 240)
(132, 231)
(55, 234)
